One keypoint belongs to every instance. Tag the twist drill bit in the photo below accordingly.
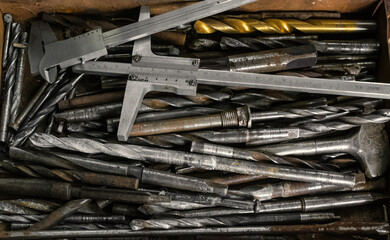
(19, 76)
(265, 61)
(283, 26)
(145, 175)
(233, 220)
(302, 204)
(230, 152)
(72, 226)
(72, 175)
(336, 228)
(7, 35)
(190, 159)
(9, 82)
(356, 47)
(27, 206)
(67, 191)
(57, 215)
(45, 110)
(285, 189)
(76, 218)
(87, 101)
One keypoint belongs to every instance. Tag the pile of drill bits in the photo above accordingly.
(227, 160)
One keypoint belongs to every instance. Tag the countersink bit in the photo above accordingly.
(67, 191)
(265, 61)
(57, 215)
(45, 110)
(303, 204)
(7, 37)
(8, 83)
(368, 145)
(147, 175)
(241, 117)
(72, 175)
(336, 228)
(233, 220)
(180, 158)
(283, 26)
(19, 76)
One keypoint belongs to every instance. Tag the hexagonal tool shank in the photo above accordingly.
(93, 44)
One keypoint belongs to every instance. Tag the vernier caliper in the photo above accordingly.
(93, 44)
(181, 75)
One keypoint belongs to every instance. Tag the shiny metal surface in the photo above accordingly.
(283, 26)
(7, 18)
(368, 145)
(190, 159)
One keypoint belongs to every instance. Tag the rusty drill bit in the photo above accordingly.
(233, 220)
(190, 159)
(239, 118)
(19, 76)
(72, 175)
(283, 26)
(76, 218)
(66, 191)
(8, 84)
(87, 101)
(57, 215)
(27, 206)
(285, 189)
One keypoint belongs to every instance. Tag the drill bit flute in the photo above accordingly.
(190, 159)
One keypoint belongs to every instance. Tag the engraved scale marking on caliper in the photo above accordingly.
(93, 44)
(139, 84)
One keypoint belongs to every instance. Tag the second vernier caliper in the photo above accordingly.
(53, 54)
(149, 72)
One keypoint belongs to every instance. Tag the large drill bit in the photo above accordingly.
(45, 110)
(7, 35)
(190, 159)
(145, 175)
(303, 204)
(72, 175)
(27, 206)
(9, 82)
(233, 220)
(20, 67)
(283, 26)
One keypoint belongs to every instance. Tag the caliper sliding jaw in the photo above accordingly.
(139, 84)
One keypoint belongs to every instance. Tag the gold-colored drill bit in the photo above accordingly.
(283, 26)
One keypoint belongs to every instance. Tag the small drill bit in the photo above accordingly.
(76, 218)
(233, 220)
(19, 76)
(46, 109)
(9, 82)
(7, 37)
(283, 26)
(190, 159)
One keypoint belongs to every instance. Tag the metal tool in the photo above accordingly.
(259, 62)
(7, 35)
(283, 26)
(233, 220)
(93, 44)
(9, 82)
(341, 227)
(368, 145)
(74, 218)
(66, 191)
(57, 215)
(190, 159)
(19, 77)
(145, 175)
